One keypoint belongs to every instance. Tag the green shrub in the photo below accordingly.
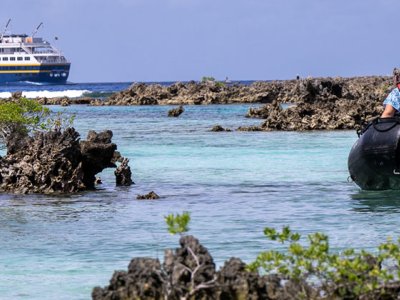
(178, 223)
(220, 84)
(347, 274)
(22, 116)
(207, 78)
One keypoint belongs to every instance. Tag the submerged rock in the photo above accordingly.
(150, 196)
(123, 174)
(249, 128)
(176, 112)
(219, 128)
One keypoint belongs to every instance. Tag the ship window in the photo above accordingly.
(19, 58)
(12, 58)
(27, 58)
(5, 58)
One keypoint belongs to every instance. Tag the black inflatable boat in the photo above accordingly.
(374, 160)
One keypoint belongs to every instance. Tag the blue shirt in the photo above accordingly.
(393, 99)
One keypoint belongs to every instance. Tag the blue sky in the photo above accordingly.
(169, 40)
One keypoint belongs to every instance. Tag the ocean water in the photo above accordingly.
(234, 184)
(34, 90)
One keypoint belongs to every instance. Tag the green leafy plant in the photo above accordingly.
(22, 111)
(348, 274)
(220, 84)
(211, 80)
(178, 224)
(207, 78)
(20, 117)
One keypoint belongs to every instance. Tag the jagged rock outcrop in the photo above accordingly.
(192, 92)
(189, 273)
(286, 91)
(97, 154)
(123, 174)
(325, 104)
(320, 103)
(176, 112)
(55, 161)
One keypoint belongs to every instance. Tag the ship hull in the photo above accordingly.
(40, 73)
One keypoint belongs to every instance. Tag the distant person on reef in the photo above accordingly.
(392, 102)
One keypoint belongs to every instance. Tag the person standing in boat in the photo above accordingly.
(392, 101)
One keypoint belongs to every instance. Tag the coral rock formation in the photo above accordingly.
(55, 161)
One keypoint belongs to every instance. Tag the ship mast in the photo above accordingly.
(5, 29)
(37, 29)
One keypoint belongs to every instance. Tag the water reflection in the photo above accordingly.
(386, 202)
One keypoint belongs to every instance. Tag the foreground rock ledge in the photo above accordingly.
(189, 273)
(55, 162)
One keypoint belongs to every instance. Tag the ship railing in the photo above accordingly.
(36, 45)
(58, 60)
(44, 52)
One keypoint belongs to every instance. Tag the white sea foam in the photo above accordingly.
(48, 94)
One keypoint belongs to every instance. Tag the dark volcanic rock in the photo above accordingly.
(55, 162)
(176, 112)
(144, 280)
(219, 128)
(249, 128)
(123, 174)
(237, 283)
(97, 154)
(48, 163)
(150, 196)
(307, 90)
(65, 101)
(328, 103)
(188, 268)
(189, 272)
(321, 103)
(191, 93)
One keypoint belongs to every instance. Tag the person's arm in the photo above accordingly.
(388, 112)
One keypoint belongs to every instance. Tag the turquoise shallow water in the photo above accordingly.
(233, 183)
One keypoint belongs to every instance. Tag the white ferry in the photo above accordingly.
(31, 59)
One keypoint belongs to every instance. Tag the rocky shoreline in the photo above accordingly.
(323, 104)
(213, 92)
(315, 103)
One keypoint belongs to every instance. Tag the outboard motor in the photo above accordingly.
(374, 160)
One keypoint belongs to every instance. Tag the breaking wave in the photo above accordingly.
(49, 94)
